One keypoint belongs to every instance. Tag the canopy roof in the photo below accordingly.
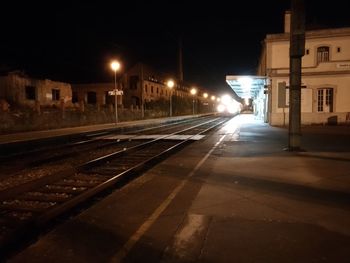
(246, 86)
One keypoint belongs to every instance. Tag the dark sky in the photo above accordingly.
(74, 42)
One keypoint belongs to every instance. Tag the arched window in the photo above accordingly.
(322, 54)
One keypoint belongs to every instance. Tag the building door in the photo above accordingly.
(325, 100)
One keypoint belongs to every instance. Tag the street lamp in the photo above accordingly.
(170, 85)
(205, 95)
(115, 66)
(193, 92)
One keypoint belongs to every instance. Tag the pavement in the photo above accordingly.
(235, 196)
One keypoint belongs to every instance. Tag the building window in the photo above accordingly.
(91, 97)
(30, 93)
(55, 94)
(74, 97)
(109, 99)
(322, 54)
(325, 100)
(307, 51)
(151, 89)
(338, 49)
(133, 81)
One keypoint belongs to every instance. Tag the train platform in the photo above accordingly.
(234, 196)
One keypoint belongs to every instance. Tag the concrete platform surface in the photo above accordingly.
(234, 196)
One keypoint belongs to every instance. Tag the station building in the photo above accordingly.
(325, 91)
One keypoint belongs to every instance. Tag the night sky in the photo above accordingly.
(74, 42)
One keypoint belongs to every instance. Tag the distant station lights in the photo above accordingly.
(228, 105)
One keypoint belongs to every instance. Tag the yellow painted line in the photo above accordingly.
(155, 215)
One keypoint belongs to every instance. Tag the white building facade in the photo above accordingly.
(325, 93)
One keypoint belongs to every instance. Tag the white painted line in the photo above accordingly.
(152, 136)
(118, 257)
(117, 137)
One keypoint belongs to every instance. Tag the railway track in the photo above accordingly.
(13, 163)
(26, 208)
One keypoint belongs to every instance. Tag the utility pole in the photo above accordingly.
(296, 52)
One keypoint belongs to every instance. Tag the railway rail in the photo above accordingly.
(15, 162)
(28, 207)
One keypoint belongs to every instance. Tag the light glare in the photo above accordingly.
(115, 65)
(170, 84)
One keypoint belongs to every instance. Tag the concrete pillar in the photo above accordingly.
(297, 49)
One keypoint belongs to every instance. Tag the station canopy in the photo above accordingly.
(246, 86)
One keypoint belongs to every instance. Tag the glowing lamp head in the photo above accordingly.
(205, 95)
(193, 91)
(115, 65)
(170, 84)
(213, 97)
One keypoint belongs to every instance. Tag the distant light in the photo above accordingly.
(213, 97)
(205, 95)
(226, 99)
(170, 83)
(115, 65)
(218, 99)
(221, 108)
(193, 91)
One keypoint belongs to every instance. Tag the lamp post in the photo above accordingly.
(193, 92)
(213, 98)
(170, 85)
(206, 103)
(115, 66)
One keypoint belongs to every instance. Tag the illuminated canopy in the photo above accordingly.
(246, 86)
